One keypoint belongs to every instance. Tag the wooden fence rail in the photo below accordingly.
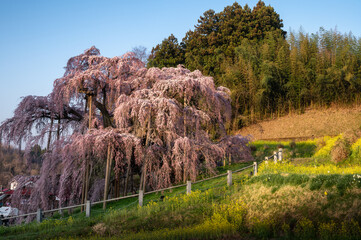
(277, 156)
(39, 214)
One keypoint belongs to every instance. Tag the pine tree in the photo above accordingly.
(167, 54)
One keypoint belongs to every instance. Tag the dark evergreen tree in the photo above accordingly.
(216, 35)
(167, 54)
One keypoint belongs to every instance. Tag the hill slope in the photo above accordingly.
(312, 123)
(288, 200)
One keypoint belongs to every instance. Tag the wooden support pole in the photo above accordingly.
(229, 178)
(144, 177)
(19, 146)
(58, 130)
(185, 170)
(83, 191)
(117, 186)
(141, 178)
(107, 175)
(143, 174)
(87, 179)
(50, 131)
(125, 191)
(90, 110)
(189, 187)
(86, 173)
(141, 195)
(106, 179)
(87, 208)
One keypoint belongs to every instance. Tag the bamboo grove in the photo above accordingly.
(268, 71)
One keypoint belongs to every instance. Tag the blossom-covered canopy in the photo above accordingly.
(167, 125)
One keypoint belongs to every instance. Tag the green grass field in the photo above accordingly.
(304, 197)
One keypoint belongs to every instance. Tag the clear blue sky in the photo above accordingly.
(37, 37)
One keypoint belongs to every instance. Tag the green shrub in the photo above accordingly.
(317, 182)
(331, 180)
(344, 183)
(355, 156)
(286, 231)
(297, 179)
(262, 228)
(253, 147)
(305, 229)
(327, 231)
(293, 145)
(349, 230)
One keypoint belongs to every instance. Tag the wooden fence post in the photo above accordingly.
(229, 178)
(39, 216)
(60, 210)
(141, 195)
(87, 208)
(280, 154)
(275, 156)
(189, 187)
(255, 168)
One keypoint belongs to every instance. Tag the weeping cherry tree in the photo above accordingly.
(120, 126)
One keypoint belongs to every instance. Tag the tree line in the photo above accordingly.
(14, 162)
(267, 70)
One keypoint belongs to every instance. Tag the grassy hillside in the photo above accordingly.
(178, 213)
(315, 122)
(307, 196)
